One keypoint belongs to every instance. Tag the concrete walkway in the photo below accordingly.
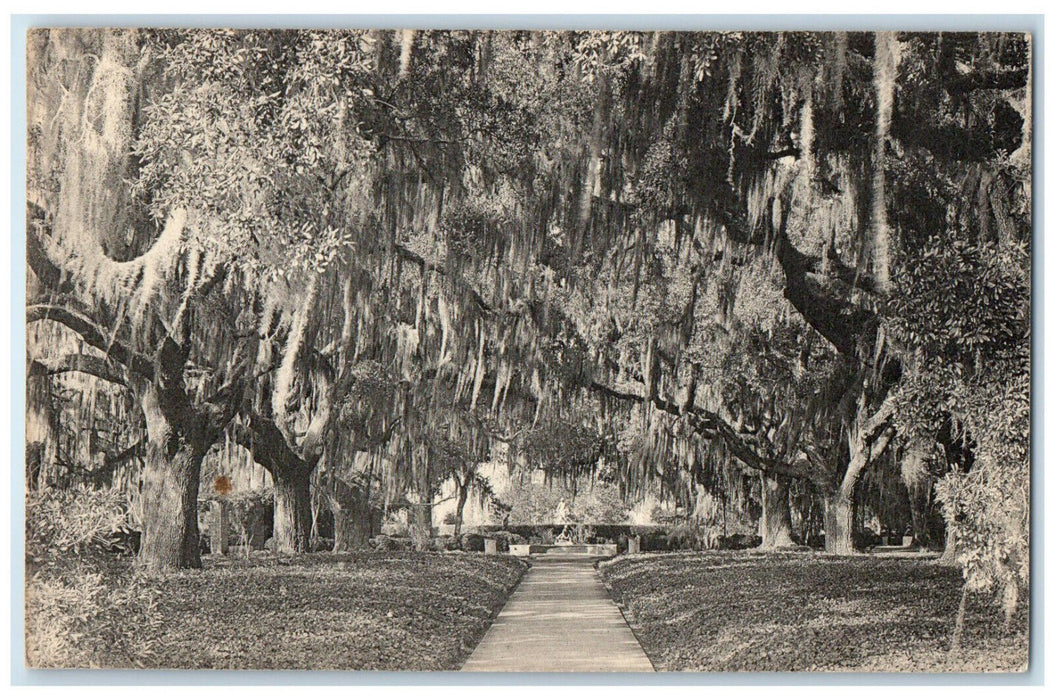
(560, 618)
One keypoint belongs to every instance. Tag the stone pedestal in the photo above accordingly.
(490, 546)
(633, 545)
(219, 528)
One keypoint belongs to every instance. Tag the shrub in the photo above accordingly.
(739, 542)
(77, 521)
(987, 508)
(252, 514)
(83, 601)
(444, 543)
(384, 543)
(473, 542)
(687, 536)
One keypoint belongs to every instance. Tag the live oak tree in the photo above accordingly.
(139, 293)
(697, 247)
(336, 151)
(780, 145)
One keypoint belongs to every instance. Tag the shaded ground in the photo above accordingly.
(745, 611)
(396, 611)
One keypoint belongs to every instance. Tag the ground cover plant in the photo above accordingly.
(802, 611)
(378, 611)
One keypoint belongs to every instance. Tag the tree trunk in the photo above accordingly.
(170, 506)
(948, 557)
(838, 523)
(839, 506)
(775, 524)
(351, 530)
(459, 509)
(292, 531)
(919, 505)
(421, 524)
(352, 521)
(421, 515)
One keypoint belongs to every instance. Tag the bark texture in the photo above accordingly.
(292, 531)
(353, 518)
(774, 527)
(170, 508)
(459, 508)
(920, 501)
(838, 523)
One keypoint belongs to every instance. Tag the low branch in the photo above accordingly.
(126, 454)
(268, 446)
(85, 364)
(92, 335)
(37, 258)
(710, 425)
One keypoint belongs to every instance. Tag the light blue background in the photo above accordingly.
(20, 675)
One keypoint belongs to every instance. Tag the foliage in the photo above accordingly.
(376, 611)
(965, 305)
(81, 599)
(964, 311)
(537, 503)
(804, 612)
(987, 508)
(68, 523)
(561, 447)
(79, 614)
(249, 512)
(646, 258)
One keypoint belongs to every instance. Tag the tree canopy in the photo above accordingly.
(649, 258)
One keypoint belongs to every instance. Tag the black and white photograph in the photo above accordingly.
(523, 350)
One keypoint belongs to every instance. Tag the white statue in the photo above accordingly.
(561, 515)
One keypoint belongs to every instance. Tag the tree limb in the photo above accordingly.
(85, 364)
(91, 334)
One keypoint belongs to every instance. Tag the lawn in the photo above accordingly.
(391, 611)
(802, 611)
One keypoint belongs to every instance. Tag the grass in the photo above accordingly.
(379, 611)
(802, 611)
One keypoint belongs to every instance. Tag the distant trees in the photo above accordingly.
(791, 148)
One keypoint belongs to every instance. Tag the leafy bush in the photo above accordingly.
(964, 312)
(75, 521)
(739, 542)
(690, 536)
(444, 543)
(252, 514)
(80, 615)
(81, 598)
(472, 542)
(385, 543)
(987, 508)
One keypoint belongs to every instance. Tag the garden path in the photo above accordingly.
(560, 618)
